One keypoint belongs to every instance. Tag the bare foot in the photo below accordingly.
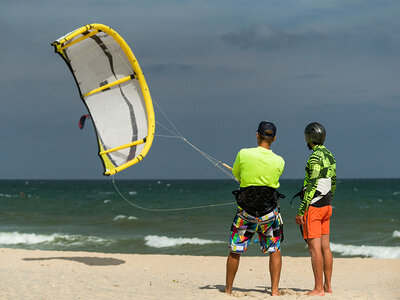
(277, 293)
(316, 293)
(327, 289)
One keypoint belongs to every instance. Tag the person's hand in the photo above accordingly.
(299, 220)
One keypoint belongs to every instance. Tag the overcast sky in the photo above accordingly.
(217, 68)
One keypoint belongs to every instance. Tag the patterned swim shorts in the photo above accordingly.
(244, 226)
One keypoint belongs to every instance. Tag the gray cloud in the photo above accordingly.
(268, 38)
(168, 67)
(264, 37)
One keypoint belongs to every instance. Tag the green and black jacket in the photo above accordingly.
(320, 179)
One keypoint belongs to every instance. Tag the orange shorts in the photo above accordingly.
(317, 221)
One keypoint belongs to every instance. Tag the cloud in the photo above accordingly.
(264, 37)
(168, 67)
(268, 38)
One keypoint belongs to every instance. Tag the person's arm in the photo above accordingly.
(311, 181)
(282, 168)
(333, 187)
(236, 167)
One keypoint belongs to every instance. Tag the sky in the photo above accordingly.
(216, 68)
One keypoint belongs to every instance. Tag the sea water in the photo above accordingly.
(85, 215)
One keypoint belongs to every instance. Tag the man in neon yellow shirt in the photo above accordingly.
(258, 170)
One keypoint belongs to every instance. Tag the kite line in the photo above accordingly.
(167, 209)
(175, 133)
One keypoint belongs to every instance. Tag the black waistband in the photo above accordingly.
(324, 201)
(257, 200)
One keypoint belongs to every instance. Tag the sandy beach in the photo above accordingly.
(33, 274)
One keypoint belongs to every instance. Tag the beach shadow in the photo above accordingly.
(87, 260)
(293, 291)
(259, 289)
(221, 288)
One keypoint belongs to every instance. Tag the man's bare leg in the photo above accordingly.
(328, 262)
(232, 265)
(275, 266)
(317, 262)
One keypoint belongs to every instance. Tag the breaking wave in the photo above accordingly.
(124, 218)
(164, 241)
(367, 251)
(16, 238)
(396, 233)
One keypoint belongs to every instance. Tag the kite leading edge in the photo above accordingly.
(113, 88)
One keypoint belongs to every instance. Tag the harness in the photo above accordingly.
(258, 200)
(321, 200)
(322, 196)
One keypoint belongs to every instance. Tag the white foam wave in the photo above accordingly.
(164, 241)
(396, 233)
(368, 251)
(123, 217)
(16, 238)
(79, 240)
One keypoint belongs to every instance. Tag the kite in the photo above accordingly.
(113, 88)
(82, 121)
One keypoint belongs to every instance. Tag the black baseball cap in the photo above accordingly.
(267, 129)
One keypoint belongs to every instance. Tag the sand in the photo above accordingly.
(33, 274)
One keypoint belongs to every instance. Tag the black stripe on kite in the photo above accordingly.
(100, 43)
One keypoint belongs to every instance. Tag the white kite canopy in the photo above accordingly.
(113, 88)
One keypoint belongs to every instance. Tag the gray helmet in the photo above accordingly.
(315, 133)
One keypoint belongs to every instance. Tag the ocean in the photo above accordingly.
(90, 215)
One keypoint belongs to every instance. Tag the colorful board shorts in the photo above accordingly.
(244, 226)
(317, 221)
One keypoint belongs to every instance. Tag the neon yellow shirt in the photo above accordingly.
(258, 167)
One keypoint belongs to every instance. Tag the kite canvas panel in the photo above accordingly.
(113, 88)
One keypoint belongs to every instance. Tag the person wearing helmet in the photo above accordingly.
(315, 209)
(258, 170)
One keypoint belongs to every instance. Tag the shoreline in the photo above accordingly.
(38, 274)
